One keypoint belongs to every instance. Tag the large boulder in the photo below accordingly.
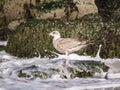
(109, 34)
(47, 9)
(2, 15)
(16, 10)
(14, 24)
(32, 37)
(108, 9)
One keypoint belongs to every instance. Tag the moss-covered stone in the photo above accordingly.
(2, 15)
(107, 9)
(2, 48)
(109, 34)
(47, 6)
(4, 33)
(32, 38)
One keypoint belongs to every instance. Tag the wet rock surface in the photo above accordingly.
(48, 68)
(43, 73)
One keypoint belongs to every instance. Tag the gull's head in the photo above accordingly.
(55, 34)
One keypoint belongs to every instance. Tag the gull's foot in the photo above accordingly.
(67, 65)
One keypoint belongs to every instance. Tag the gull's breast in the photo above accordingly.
(57, 46)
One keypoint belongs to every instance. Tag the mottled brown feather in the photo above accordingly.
(68, 44)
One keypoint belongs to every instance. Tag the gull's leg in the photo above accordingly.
(67, 59)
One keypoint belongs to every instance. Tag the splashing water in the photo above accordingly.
(50, 74)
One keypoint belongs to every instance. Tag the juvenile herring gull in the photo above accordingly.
(67, 45)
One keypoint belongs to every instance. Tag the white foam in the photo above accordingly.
(3, 43)
(10, 81)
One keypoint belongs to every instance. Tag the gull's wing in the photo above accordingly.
(68, 43)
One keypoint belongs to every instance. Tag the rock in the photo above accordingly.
(2, 15)
(16, 10)
(14, 24)
(56, 67)
(107, 8)
(2, 19)
(4, 32)
(51, 6)
(113, 69)
(108, 11)
(32, 39)
(13, 9)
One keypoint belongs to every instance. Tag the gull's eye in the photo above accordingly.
(54, 33)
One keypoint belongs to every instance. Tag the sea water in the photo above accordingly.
(11, 80)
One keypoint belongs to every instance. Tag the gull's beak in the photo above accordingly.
(50, 34)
